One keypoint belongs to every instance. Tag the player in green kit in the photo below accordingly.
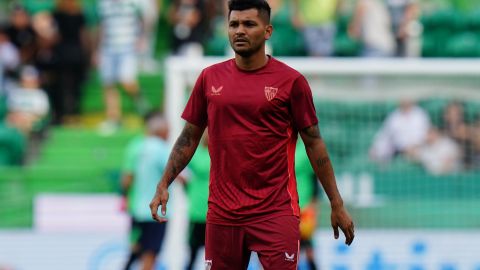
(145, 160)
(197, 192)
(307, 188)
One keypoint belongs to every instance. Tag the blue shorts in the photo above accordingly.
(118, 67)
(148, 235)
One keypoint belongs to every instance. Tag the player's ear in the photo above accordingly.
(268, 32)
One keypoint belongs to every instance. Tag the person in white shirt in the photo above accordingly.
(27, 104)
(371, 25)
(404, 129)
(121, 36)
(439, 155)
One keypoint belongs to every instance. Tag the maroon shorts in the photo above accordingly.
(276, 241)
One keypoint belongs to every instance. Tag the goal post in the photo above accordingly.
(353, 97)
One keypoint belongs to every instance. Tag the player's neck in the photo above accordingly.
(253, 62)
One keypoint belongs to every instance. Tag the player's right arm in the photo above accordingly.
(181, 154)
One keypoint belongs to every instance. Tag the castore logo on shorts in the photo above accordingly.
(289, 258)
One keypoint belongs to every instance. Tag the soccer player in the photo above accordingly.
(197, 192)
(308, 193)
(254, 107)
(144, 162)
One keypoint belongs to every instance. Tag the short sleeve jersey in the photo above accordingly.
(121, 25)
(197, 188)
(253, 118)
(146, 159)
(305, 176)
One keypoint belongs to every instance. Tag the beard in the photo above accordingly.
(246, 51)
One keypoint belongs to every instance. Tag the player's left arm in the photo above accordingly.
(126, 182)
(320, 161)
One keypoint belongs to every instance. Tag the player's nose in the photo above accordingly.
(240, 30)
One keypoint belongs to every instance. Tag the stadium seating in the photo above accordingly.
(73, 160)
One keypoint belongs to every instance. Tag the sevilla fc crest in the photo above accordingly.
(270, 92)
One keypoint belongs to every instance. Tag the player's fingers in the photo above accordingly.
(164, 207)
(154, 209)
(335, 231)
(349, 234)
(352, 236)
(352, 230)
(346, 232)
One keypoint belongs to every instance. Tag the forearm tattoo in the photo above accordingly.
(182, 152)
(322, 162)
(312, 132)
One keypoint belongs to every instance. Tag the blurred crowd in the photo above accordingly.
(47, 48)
(451, 146)
(61, 43)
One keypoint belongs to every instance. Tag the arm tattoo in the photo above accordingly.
(184, 140)
(322, 161)
(181, 153)
(312, 132)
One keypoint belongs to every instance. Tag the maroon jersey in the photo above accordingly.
(253, 118)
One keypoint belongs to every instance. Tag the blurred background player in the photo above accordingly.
(308, 191)
(197, 192)
(121, 35)
(144, 162)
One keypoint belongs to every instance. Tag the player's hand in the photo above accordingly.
(160, 199)
(341, 218)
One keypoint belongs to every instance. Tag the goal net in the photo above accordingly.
(353, 98)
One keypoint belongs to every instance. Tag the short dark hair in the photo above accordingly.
(262, 6)
(151, 114)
